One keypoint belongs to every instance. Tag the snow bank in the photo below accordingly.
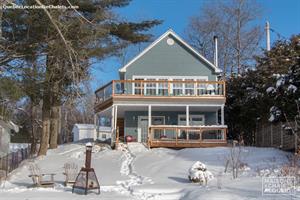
(138, 173)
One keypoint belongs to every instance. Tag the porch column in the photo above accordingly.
(187, 112)
(187, 119)
(96, 126)
(116, 117)
(115, 124)
(149, 121)
(149, 115)
(222, 114)
(112, 124)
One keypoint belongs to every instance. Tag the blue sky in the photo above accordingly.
(284, 17)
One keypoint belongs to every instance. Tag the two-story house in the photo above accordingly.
(167, 96)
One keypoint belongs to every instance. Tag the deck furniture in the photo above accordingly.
(40, 179)
(71, 172)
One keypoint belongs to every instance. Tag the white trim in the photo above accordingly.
(169, 32)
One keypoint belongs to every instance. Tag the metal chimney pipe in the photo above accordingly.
(267, 28)
(216, 51)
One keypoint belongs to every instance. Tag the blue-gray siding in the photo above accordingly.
(171, 118)
(170, 60)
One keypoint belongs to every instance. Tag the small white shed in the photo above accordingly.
(83, 131)
(6, 129)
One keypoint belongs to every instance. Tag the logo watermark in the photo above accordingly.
(32, 7)
(278, 185)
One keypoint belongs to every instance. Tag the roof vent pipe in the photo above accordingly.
(267, 28)
(216, 51)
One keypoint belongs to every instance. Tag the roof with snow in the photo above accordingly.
(9, 125)
(84, 126)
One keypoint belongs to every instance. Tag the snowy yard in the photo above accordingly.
(136, 173)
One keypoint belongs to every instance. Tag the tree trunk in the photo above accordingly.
(33, 129)
(46, 110)
(54, 126)
(55, 116)
(59, 133)
(238, 39)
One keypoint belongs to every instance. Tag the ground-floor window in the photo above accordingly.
(194, 120)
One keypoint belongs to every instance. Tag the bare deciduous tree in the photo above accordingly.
(233, 21)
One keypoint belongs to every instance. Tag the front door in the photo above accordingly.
(120, 125)
(142, 129)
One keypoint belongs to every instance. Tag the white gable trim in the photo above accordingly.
(170, 32)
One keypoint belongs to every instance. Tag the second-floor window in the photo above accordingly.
(150, 87)
(163, 87)
(175, 85)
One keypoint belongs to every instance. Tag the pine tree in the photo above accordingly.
(65, 42)
(268, 93)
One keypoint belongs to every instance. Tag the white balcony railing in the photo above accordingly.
(160, 88)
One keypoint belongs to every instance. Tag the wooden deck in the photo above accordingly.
(146, 90)
(174, 136)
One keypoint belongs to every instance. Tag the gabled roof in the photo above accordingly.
(170, 32)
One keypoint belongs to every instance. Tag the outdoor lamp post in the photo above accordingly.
(88, 156)
(87, 179)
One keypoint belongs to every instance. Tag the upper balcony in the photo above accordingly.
(160, 89)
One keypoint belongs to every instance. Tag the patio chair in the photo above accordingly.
(71, 172)
(38, 178)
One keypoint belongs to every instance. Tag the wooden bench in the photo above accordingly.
(38, 178)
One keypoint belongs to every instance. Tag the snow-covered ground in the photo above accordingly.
(136, 173)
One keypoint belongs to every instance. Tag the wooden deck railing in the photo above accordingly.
(160, 88)
(186, 136)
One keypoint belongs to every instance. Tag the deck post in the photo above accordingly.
(222, 114)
